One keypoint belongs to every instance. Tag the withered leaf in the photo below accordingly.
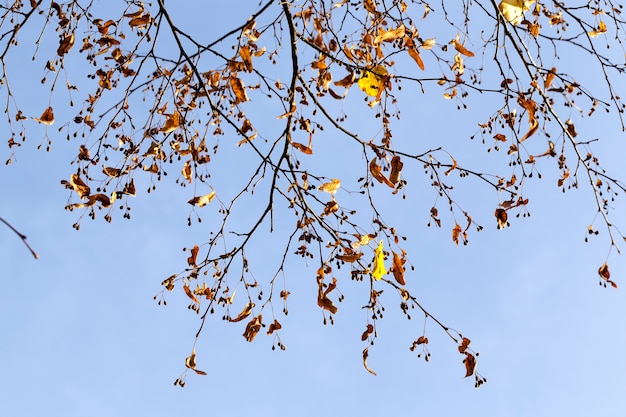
(396, 169)
(252, 328)
(47, 117)
(377, 173)
(365, 355)
(187, 172)
(203, 200)
(111, 172)
(78, 185)
(322, 294)
(191, 260)
(302, 148)
(247, 310)
(462, 49)
(330, 187)
(603, 271)
(398, 268)
(172, 122)
(239, 89)
(140, 21)
(501, 217)
(190, 362)
(273, 327)
(470, 364)
(422, 340)
(349, 256)
(389, 35)
(190, 294)
(65, 44)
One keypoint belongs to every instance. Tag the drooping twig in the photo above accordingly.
(22, 236)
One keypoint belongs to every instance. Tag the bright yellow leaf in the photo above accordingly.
(379, 262)
(330, 187)
(372, 81)
(513, 10)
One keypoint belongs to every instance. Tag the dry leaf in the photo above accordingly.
(470, 364)
(460, 48)
(244, 313)
(600, 30)
(396, 169)
(365, 354)
(47, 117)
(398, 268)
(65, 44)
(171, 123)
(190, 294)
(252, 328)
(330, 187)
(377, 173)
(202, 200)
(513, 10)
(191, 260)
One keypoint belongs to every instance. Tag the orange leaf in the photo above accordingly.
(65, 44)
(460, 48)
(187, 172)
(302, 148)
(171, 123)
(456, 232)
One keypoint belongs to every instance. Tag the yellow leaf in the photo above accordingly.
(330, 187)
(601, 29)
(390, 35)
(513, 10)
(47, 117)
(379, 262)
(372, 81)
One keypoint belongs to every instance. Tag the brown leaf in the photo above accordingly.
(422, 340)
(112, 172)
(603, 271)
(302, 148)
(398, 268)
(190, 294)
(239, 89)
(462, 49)
(501, 217)
(47, 117)
(396, 169)
(377, 173)
(322, 294)
(349, 256)
(78, 185)
(456, 232)
(246, 56)
(187, 172)
(140, 21)
(331, 207)
(252, 328)
(365, 354)
(244, 313)
(549, 78)
(65, 44)
(191, 260)
(273, 327)
(470, 364)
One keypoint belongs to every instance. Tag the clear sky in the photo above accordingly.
(80, 333)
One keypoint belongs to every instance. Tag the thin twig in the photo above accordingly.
(22, 236)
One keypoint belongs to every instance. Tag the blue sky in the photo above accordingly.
(82, 336)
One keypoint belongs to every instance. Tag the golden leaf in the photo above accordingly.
(390, 35)
(111, 172)
(600, 30)
(330, 187)
(171, 123)
(246, 56)
(372, 82)
(244, 313)
(379, 262)
(78, 185)
(202, 201)
(47, 117)
(428, 43)
(239, 89)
